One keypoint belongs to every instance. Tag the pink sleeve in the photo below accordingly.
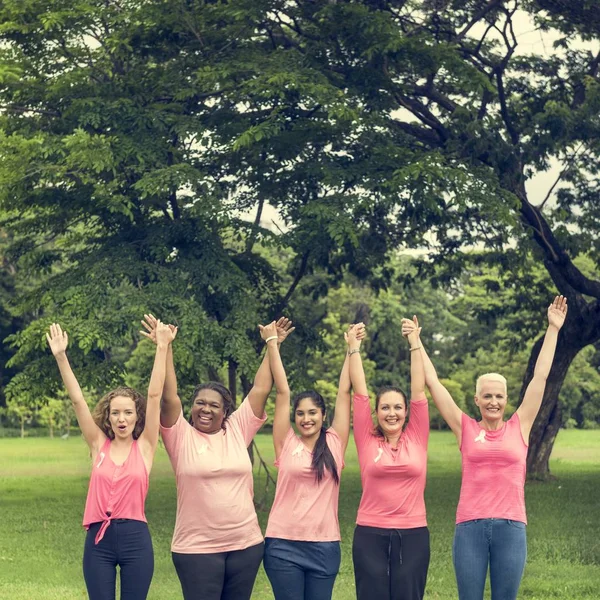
(362, 421)
(246, 422)
(173, 436)
(418, 422)
(289, 438)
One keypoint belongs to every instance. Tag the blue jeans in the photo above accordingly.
(301, 570)
(126, 543)
(502, 544)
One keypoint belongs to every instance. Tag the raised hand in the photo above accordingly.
(58, 339)
(149, 323)
(269, 331)
(164, 334)
(284, 328)
(557, 312)
(411, 330)
(355, 334)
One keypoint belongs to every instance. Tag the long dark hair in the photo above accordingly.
(384, 389)
(228, 401)
(322, 458)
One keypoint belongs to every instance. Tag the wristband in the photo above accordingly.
(416, 348)
(273, 337)
(354, 351)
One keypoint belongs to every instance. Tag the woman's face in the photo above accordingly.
(308, 418)
(491, 400)
(122, 416)
(391, 413)
(208, 411)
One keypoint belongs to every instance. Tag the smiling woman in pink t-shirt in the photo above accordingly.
(390, 549)
(491, 519)
(302, 542)
(217, 545)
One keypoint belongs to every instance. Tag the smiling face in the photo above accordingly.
(122, 416)
(208, 412)
(308, 418)
(491, 398)
(391, 413)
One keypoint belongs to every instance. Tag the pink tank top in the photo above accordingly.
(116, 491)
(493, 472)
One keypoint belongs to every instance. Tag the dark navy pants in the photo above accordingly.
(390, 564)
(127, 544)
(500, 544)
(301, 570)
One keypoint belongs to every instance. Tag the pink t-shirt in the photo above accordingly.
(116, 491)
(493, 472)
(393, 481)
(215, 490)
(303, 509)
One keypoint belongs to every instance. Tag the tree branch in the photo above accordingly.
(299, 275)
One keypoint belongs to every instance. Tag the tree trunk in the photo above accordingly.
(22, 427)
(549, 419)
(51, 427)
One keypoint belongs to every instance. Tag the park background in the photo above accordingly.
(223, 163)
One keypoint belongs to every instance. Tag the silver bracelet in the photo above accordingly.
(354, 351)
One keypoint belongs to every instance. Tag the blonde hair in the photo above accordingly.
(490, 377)
(101, 413)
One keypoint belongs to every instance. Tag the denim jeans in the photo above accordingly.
(499, 543)
(301, 570)
(126, 543)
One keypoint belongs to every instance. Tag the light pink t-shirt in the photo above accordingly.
(304, 510)
(215, 490)
(494, 465)
(116, 491)
(393, 481)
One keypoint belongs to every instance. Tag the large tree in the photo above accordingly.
(449, 122)
(133, 131)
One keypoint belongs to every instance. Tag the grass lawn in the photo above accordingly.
(43, 484)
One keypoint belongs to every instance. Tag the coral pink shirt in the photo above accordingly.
(215, 489)
(493, 472)
(116, 491)
(393, 481)
(303, 509)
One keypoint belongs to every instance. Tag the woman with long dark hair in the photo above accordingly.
(302, 542)
(391, 540)
(217, 545)
(122, 435)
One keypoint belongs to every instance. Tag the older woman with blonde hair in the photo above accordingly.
(491, 518)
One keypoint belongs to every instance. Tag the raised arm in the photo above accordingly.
(341, 419)
(411, 332)
(441, 396)
(357, 373)
(281, 420)
(58, 341)
(149, 438)
(170, 408)
(263, 380)
(532, 399)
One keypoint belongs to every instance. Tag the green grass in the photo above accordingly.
(43, 484)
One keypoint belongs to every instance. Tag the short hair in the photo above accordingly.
(101, 414)
(490, 377)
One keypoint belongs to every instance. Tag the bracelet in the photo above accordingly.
(416, 348)
(273, 337)
(354, 351)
